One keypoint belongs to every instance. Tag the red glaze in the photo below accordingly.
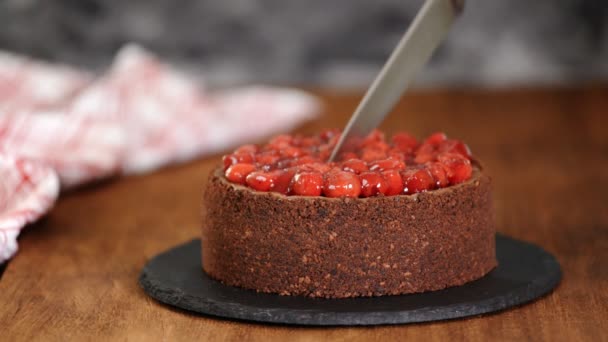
(297, 165)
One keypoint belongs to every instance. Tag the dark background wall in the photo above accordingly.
(329, 42)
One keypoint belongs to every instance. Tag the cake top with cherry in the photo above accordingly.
(375, 166)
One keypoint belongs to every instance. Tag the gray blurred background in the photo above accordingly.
(336, 43)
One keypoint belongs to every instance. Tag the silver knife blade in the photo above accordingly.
(428, 29)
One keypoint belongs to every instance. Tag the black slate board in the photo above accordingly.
(525, 272)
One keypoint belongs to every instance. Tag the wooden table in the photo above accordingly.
(75, 276)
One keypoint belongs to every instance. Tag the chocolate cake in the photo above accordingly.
(428, 236)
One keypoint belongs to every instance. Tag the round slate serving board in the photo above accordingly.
(524, 273)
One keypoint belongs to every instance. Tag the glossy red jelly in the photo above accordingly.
(297, 165)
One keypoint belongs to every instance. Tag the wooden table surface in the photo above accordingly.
(75, 276)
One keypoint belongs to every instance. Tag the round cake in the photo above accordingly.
(386, 218)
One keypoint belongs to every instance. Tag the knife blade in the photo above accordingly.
(426, 32)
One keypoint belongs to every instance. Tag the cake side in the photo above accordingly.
(344, 247)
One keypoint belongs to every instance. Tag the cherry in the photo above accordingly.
(458, 168)
(425, 153)
(308, 183)
(260, 180)
(387, 164)
(376, 136)
(316, 166)
(324, 152)
(436, 138)
(238, 172)
(396, 154)
(455, 146)
(404, 142)
(309, 141)
(372, 183)
(417, 181)
(280, 141)
(394, 181)
(354, 165)
(235, 158)
(303, 161)
(439, 173)
(249, 148)
(375, 151)
(329, 134)
(267, 158)
(282, 181)
(341, 184)
(348, 156)
(292, 152)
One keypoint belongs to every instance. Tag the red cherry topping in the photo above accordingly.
(348, 156)
(375, 137)
(374, 152)
(249, 148)
(354, 165)
(292, 152)
(459, 168)
(418, 181)
(303, 161)
(235, 158)
(404, 142)
(455, 146)
(282, 183)
(372, 184)
(341, 184)
(236, 173)
(439, 173)
(328, 134)
(308, 183)
(394, 181)
(436, 138)
(316, 166)
(310, 141)
(280, 141)
(268, 158)
(387, 164)
(261, 181)
(298, 165)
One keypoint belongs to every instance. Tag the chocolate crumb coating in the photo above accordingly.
(341, 247)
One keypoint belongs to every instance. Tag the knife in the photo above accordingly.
(428, 29)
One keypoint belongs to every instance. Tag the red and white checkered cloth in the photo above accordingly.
(62, 126)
